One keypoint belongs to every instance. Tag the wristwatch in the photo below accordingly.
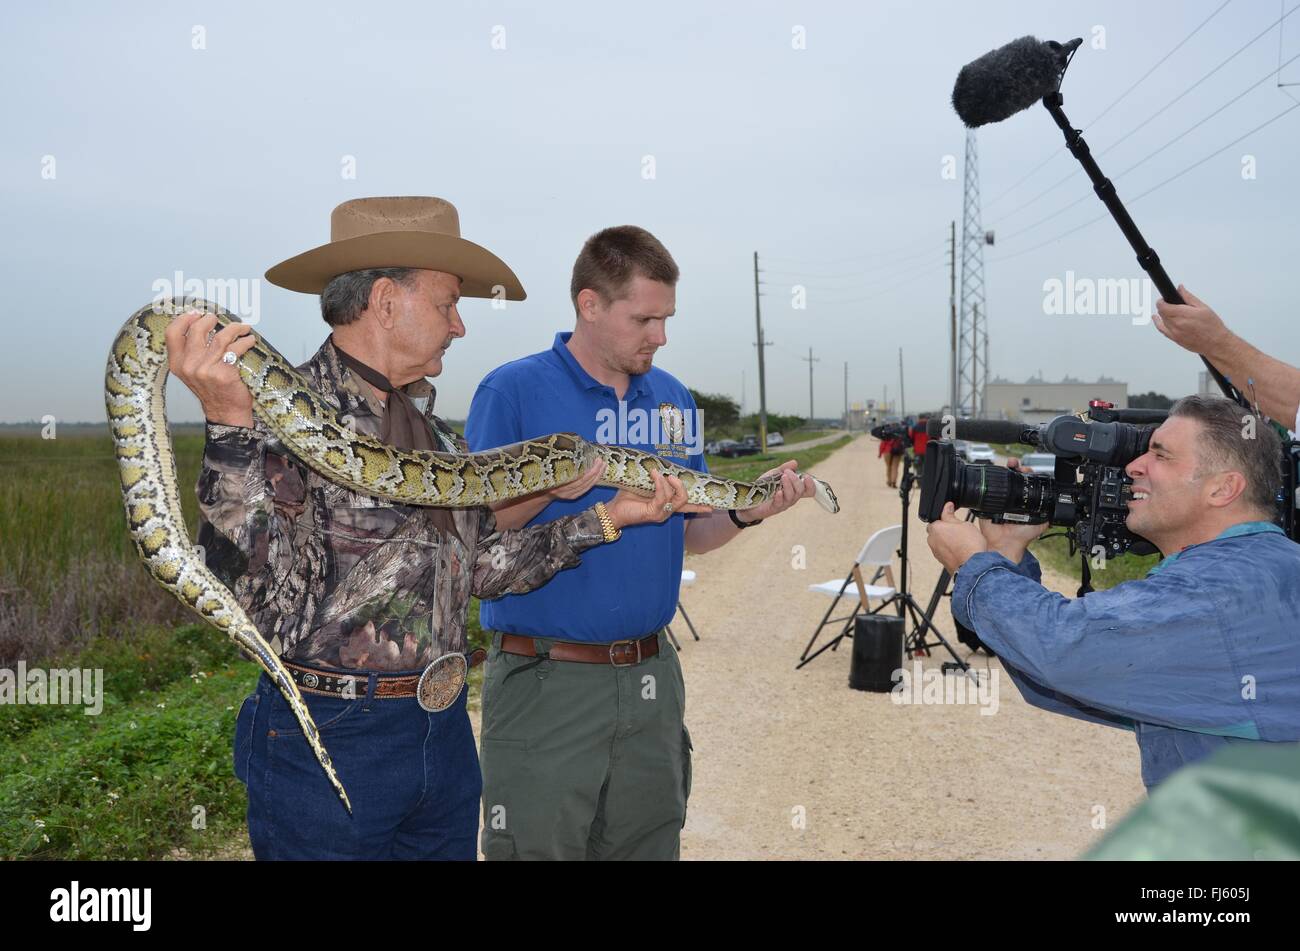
(743, 525)
(607, 524)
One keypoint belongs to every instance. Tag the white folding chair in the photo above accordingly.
(877, 553)
(688, 579)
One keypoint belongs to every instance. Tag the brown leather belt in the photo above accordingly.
(618, 653)
(334, 683)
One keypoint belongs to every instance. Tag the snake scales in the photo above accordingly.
(307, 424)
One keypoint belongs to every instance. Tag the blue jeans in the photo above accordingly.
(413, 778)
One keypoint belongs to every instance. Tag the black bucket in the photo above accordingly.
(877, 652)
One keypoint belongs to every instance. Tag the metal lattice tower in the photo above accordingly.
(972, 327)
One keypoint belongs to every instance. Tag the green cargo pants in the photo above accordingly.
(583, 761)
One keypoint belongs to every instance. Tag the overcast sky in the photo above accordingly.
(812, 133)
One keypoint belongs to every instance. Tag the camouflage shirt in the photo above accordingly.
(333, 578)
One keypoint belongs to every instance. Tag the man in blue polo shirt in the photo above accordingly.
(1203, 652)
(584, 750)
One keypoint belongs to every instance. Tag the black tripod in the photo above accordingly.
(906, 605)
(916, 642)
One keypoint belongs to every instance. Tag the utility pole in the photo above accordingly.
(902, 399)
(952, 308)
(983, 396)
(811, 360)
(762, 379)
(847, 421)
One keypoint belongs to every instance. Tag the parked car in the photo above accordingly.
(775, 439)
(750, 440)
(960, 446)
(711, 447)
(730, 449)
(978, 452)
(1043, 463)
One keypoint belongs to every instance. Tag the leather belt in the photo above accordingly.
(334, 683)
(617, 653)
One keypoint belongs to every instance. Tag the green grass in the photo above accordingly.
(1054, 553)
(68, 570)
(746, 468)
(61, 501)
(804, 435)
(123, 784)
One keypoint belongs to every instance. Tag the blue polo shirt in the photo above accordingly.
(619, 591)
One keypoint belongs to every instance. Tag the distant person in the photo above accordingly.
(919, 440)
(892, 449)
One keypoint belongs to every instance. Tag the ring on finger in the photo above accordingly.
(668, 507)
(211, 333)
(229, 358)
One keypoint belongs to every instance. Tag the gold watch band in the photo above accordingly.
(612, 533)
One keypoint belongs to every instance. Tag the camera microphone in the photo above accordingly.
(1010, 79)
(983, 430)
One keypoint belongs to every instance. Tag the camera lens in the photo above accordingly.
(997, 490)
(987, 490)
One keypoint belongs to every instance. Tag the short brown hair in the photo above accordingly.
(611, 258)
(1235, 439)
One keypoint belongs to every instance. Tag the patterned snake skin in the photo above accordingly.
(308, 425)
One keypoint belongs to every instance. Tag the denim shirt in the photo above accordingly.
(1203, 652)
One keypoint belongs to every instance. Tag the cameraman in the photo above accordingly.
(1195, 327)
(1201, 653)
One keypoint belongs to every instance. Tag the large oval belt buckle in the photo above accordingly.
(441, 682)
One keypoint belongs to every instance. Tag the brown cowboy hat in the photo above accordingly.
(398, 232)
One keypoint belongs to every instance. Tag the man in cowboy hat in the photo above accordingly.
(358, 595)
(585, 755)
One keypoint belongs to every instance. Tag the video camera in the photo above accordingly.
(893, 431)
(1087, 493)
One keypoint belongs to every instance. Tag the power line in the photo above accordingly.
(882, 265)
(1230, 102)
(1159, 63)
(1141, 125)
(1164, 59)
(867, 285)
(885, 290)
(1281, 4)
(1192, 128)
(874, 290)
(1139, 197)
(870, 255)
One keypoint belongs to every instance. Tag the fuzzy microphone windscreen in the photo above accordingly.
(1006, 80)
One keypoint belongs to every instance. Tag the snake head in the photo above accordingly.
(825, 496)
